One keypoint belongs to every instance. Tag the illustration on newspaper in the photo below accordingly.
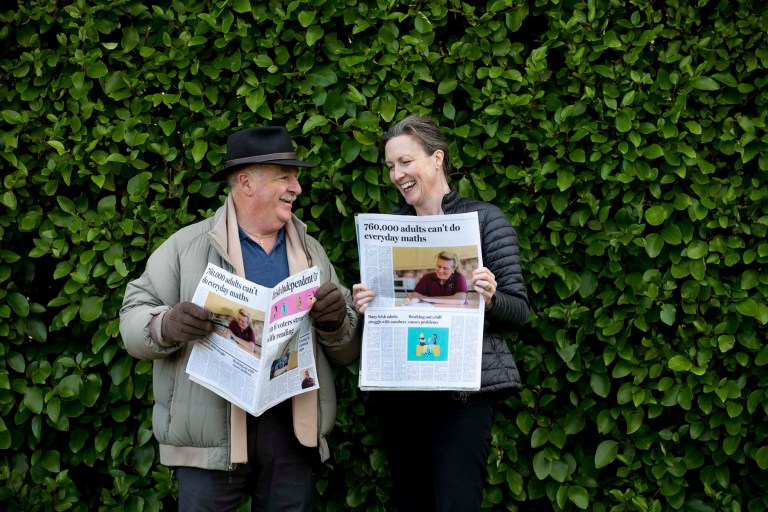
(260, 352)
(424, 329)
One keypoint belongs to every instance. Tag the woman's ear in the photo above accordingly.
(439, 156)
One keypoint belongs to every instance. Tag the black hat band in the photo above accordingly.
(262, 158)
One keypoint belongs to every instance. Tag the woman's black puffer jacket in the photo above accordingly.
(510, 310)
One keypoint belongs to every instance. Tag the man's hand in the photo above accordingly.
(185, 322)
(329, 310)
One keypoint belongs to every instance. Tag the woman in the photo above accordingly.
(446, 285)
(454, 453)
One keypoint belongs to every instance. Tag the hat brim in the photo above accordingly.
(246, 161)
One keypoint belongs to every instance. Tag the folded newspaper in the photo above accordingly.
(424, 329)
(260, 352)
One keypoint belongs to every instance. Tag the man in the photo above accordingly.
(218, 451)
(308, 381)
(241, 330)
(443, 286)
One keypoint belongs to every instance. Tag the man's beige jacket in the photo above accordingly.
(194, 426)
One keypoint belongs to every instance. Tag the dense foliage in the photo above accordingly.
(625, 140)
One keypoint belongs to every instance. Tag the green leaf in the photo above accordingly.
(447, 85)
(654, 244)
(749, 279)
(731, 444)
(313, 122)
(705, 84)
(541, 465)
(199, 148)
(33, 399)
(668, 313)
(36, 329)
(130, 39)
(193, 88)
(525, 422)
(19, 304)
(77, 439)
(16, 361)
(96, 69)
(653, 151)
(539, 437)
(697, 249)
(51, 461)
(314, 34)
(747, 307)
(680, 364)
(12, 117)
(306, 18)
(9, 199)
(70, 386)
(388, 109)
(102, 440)
(564, 179)
(53, 408)
(91, 308)
(241, 6)
(623, 122)
(358, 191)
(121, 370)
(601, 384)
(578, 496)
(322, 76)
(120, 412)
(761, 457)
(106, 207)
(515, 18)
(672, 234)
(606, 453)
(144, 458)
(137, 185)
(656, 215)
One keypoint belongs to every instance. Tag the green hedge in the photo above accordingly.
(625, 140)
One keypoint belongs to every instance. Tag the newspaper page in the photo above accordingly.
(260, 352)
(428, 343)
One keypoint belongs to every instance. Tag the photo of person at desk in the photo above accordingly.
(241, 332)
(239, 329)
(446, 285)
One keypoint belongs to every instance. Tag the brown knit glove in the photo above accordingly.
(330, 309)
(185, 322)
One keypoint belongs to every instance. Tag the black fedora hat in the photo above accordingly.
(261, 145)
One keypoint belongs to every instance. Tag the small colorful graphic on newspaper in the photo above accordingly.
(424, 329)
(260, 352)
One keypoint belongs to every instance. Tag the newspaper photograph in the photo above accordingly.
(424, 329)
(260, 352)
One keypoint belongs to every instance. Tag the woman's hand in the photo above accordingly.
(484, 283)
(362, 296)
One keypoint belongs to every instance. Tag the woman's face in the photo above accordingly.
(419, 177)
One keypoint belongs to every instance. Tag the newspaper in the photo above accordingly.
(260, 352)
(419, 344)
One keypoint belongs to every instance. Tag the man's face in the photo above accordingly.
(275, 188)
(444, 269)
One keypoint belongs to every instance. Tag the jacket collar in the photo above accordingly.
(225, 236)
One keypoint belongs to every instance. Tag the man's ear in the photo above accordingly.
(245, 182)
